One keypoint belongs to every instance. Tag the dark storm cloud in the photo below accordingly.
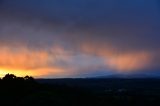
(136, 23)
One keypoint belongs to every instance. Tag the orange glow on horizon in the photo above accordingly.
(20, 73)
(35, 73)
(57, 63)
(37, 63)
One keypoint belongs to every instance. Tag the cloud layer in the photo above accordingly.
(79, 38)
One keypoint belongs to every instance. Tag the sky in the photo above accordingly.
(79, 38)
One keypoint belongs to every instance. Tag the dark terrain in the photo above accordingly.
(26, 91)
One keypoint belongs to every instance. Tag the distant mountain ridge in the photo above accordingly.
(129, 76)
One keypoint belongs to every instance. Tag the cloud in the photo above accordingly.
(57, 62)
(82, 37)
(130, 62)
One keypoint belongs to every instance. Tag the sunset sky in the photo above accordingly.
(79, 38)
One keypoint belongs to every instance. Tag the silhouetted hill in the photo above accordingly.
(26, 91)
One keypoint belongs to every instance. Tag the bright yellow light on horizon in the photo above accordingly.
(20, 73)
(37, 73)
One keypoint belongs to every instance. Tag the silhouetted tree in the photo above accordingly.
(28, 78)
(17, 80)
(9, 77)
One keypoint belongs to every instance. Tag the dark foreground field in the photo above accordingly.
(17, 91)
